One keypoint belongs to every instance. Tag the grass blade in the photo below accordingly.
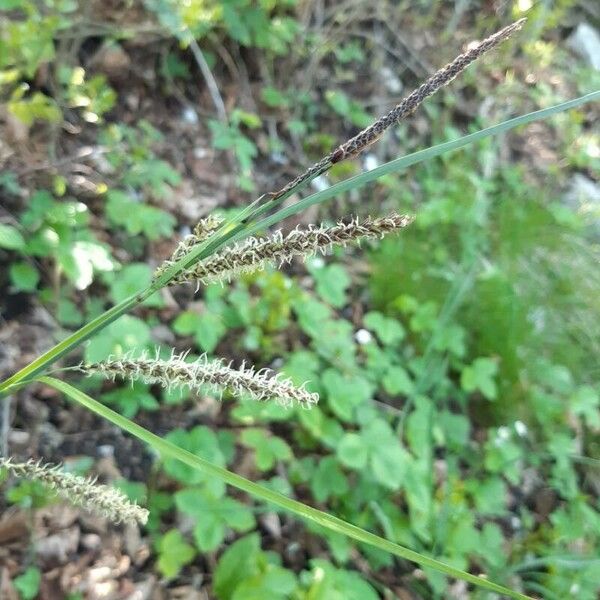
(404, 162)
(245, 224)
(302, 510)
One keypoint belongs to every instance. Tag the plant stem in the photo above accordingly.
(247, 223)
(302, 510)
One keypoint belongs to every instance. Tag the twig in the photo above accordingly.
(213, 88)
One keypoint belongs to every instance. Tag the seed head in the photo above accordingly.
(203, 230)
(371, 134)
(80, 491)
(254, 253)
(202, 373)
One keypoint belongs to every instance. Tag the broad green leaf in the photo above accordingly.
(24, 276)
(328, 480)
(119, 338)
(11, 238)
(213, 515)
(332, 283)
(200, 441)
(389, 331)
(173, 553)
(239, 562)
(397, 381)
(345, 393)
(28, 584)
(209, 331)
(328, 583)
(268, 448)
(129, 279)
(480, 376)
(352, 451)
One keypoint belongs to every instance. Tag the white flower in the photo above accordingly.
(520, 428)
(362, 337)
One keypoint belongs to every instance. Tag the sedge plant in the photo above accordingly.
(219, 251)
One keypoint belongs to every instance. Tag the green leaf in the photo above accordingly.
(129, 280)
(328, 583)
(24, 276)
(489, 495)
(389, 331)
(397, 381)
(387, 457)
(200, 441)
(352, 452)
(138, 217)
(210, 328)
(207, 328)
(332, 283)
(82, 259)
(273, 97)
(38, 106)
(328, 480)
(131, 398)
(238, 562)
(585, 402)
(274, 582)
(268, 448)
(456, 429)
(173, 553)
(480, 376)
(313, 515)
(28, 584)
(345, 392)
(11, 238)
(213, 516)
(376, 449)
(118, 339)
(186, 322)
(418, 427)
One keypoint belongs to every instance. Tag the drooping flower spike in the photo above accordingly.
(79, 491)
(202, 373)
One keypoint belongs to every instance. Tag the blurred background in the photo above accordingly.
(457, 362)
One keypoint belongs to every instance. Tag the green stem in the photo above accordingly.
(167, 449)
(246, 224)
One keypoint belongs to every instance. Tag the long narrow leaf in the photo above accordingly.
(404, 162)
(245, 224)
(302, 510)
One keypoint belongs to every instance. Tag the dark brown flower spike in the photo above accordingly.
(371, 134)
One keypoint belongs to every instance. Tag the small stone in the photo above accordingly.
(271, 522)
(106, 451)
(189, 115)
(91, 541)
(18, 440)
(585, 41)
(370, 162)
(391, 81)
(113, 61)
(362, 337)
(582, 192)
(320, 183)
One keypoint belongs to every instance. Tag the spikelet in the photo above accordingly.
(203, 230)
(254, 253)
(80, 491)
(407, 106)
(175, 372)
